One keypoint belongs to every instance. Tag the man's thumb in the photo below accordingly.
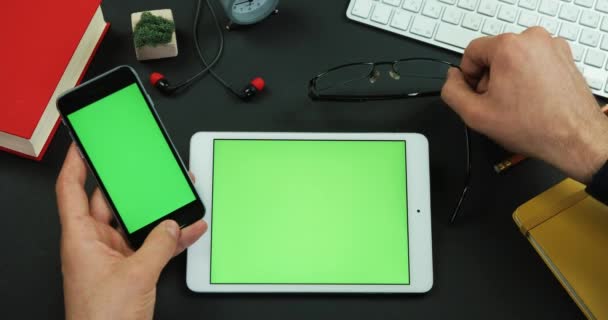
(458, 94)
(158, 248)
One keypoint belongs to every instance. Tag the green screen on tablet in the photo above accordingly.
(309, 212)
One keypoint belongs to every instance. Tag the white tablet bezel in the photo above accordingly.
(419, 214)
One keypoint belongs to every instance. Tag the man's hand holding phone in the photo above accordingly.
(113, 122)
(102, 277)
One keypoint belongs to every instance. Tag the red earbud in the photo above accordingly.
(256, 85)
(159, 81)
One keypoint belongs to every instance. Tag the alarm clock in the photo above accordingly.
(246, 12)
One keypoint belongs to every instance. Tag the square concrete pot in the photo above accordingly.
(168, 50)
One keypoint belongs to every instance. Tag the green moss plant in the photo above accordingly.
(153, 30)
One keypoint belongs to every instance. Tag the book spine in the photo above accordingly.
(548, 204)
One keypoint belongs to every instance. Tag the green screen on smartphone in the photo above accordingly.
(126, 147)
(309, 212)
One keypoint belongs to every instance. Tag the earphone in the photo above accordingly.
(160, 82)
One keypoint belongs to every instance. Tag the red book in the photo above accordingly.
(47, 46)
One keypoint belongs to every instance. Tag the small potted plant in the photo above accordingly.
(154, 34)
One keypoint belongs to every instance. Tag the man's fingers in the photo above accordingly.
(477, 58)
(72, 198)
(157, 250)
(190, 234)
(192, 177)
(99, 207)
(484, 84)
(459, 95)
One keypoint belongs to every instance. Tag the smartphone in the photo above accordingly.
(120, 136)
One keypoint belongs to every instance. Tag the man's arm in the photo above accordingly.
(525, 92)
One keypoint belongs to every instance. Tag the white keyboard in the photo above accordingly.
(453, 24)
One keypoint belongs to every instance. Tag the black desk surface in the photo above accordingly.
(483, 266)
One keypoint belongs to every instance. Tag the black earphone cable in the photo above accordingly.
(207, 66)
(221, 37)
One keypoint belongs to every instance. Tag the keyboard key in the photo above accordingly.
(394, 3)
(432, 9)
(595, 58)
(507, 13)
(401, 20)
(412, 5)
(472, 21)
(467, 4)
(551, 25)
(604, 45)
(602, 6)
(527, 19)
(577, 51)
(491, 27)
(584, 3)
(604, 26)
(595, 83)
(452, 15)
(569, 13)
(382, 14)
(590, 19)
(455, 36)
(606, 87)
(362, 8)
(488, 7)
(595, 78)
(580, 67)
(549, 7)
(590, 38)
(569, 31)
(528, 4)
(423, 26)
(514, 28)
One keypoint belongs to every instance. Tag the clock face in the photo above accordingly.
(245, 6)
(249, 11)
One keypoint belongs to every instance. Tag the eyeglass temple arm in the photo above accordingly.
(314, 95)
(467, 181)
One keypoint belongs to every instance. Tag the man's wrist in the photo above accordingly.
(593, 153)
(582, 149)
(598, 186)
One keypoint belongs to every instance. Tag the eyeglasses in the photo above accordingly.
(400, 79)
(365, 81)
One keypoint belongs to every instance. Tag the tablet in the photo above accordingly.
(312, 212)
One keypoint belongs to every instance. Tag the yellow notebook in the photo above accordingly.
(569, 230)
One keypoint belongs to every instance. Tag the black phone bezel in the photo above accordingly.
(98, 88)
